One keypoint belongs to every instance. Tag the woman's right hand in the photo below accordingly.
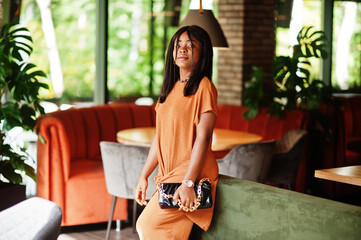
(140, 191)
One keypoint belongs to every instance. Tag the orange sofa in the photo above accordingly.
(70, 171)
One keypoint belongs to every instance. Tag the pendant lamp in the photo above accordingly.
(206, 20)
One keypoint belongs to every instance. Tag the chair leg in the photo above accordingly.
(118, 225)
(111, 217)
(134, 216)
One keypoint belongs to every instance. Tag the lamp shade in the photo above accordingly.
(208, 22)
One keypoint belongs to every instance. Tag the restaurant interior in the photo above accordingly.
(287, 137)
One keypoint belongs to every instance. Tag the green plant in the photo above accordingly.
(293, 87)
(292, 73)
(253, 93)
(19, 93)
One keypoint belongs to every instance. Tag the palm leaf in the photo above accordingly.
(38, 73)
(8, 171)
(20, 79)
(30, 171)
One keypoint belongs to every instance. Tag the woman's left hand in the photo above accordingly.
(186, 195)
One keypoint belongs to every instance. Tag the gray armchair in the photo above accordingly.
(287, 157)
(248, 161)
(122, 167)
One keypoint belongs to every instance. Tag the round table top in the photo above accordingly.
(223, 139)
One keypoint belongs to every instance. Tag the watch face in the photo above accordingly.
(189, 183)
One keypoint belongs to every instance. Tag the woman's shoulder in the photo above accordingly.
(206, 83)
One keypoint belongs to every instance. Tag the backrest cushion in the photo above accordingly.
(348, 119)
(355, 103)
(269, 127)
(352, 115)
(86, 127)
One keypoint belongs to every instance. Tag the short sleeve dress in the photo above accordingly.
(176, 122)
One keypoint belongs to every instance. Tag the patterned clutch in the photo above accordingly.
(202, 190)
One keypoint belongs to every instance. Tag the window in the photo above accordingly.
(346, 42)
(139, 34)
(65, 42)
(135, 48)
(292, 16)
(64, 46)
(346, 54)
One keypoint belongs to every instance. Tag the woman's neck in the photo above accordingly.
(183, 75)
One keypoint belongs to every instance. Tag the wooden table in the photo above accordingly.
(223, 139)
(350, 175)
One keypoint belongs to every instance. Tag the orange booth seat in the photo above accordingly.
(270, 128)
(230, 117)
(70, 170)
(352, 130)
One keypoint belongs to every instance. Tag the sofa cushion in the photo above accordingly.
(86, 191)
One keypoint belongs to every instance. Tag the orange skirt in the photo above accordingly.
(156, 223)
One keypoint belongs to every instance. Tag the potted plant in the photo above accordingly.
(293, 87)
(20, 100)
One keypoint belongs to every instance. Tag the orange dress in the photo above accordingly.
(176, 122)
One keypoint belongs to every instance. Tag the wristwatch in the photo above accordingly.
(188, 183)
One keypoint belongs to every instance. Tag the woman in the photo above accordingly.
(186, 115)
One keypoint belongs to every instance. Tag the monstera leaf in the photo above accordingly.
(15, 40)
(312, 43)
(292, 73)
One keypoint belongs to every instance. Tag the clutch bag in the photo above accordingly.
(202, 191)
